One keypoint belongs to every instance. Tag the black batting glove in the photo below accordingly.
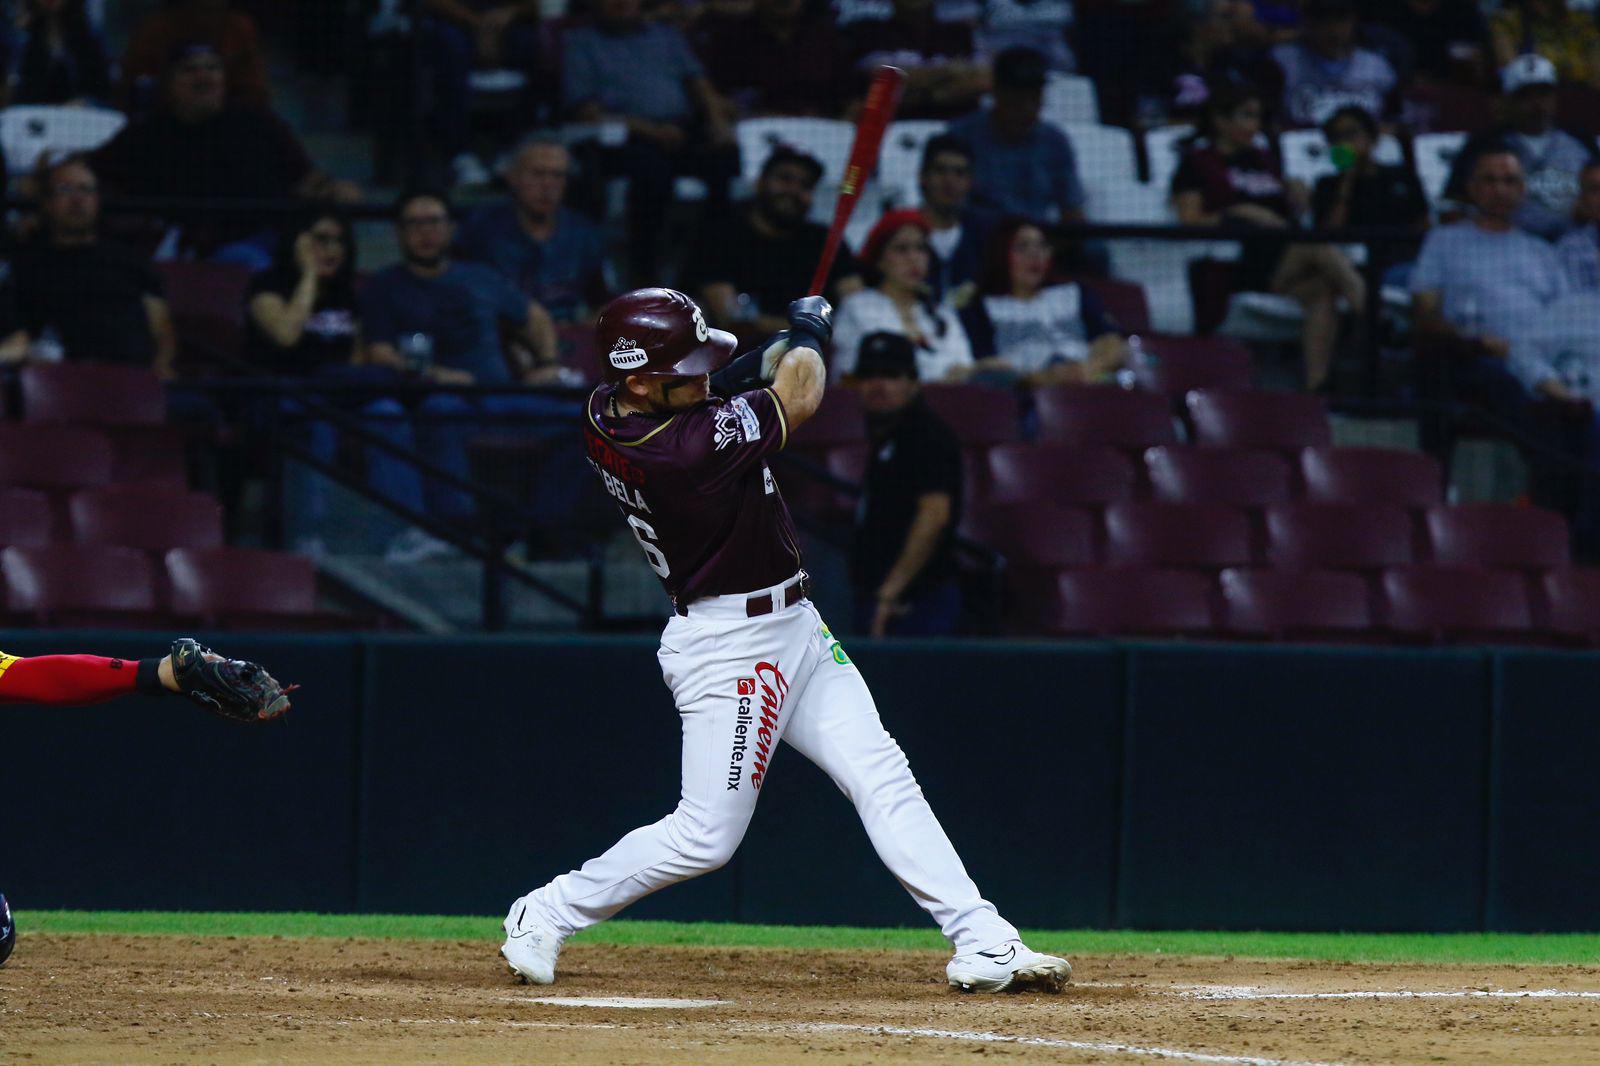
(810, 323)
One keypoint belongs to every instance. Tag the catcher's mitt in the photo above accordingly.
(229, 688)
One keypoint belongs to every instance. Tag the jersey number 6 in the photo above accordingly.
(646, 536)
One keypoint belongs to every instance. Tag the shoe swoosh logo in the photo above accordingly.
(999, 957)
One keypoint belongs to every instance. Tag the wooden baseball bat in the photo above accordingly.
(883, 96)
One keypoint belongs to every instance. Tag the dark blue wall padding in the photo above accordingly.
(1315, 789)
(1545, 831)
(147, 802)
(1016, 748)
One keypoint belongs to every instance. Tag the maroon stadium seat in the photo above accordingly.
(1037, 539)
(979, 414)
(92, 394)
(839, 420)
(1125, 302)
(150, 455)
(1256, 418)
(1060, 474)
(1242, 477)
(148, 520)
(54, 457)
(1372, 475)
(1439, 107)
(1131, 419)
(26, 519)
(1178, 365)
(1460, 604)
(1296, 605)
(1339, 536)
(1198, 535)
(812, 497)
(1573, 601)
(207, 303)
(1500, 535)
(78, 585)
(1132, 603)
(247, 588)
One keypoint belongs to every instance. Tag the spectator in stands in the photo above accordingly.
(82, 296)
(1579, 251)
(554, 255)
(441, 320)
(60, 59)
(1485, 280)
(943, 74)
(956, 229)
(645, 74)
(304, 322)
(1449, 39)
(1226, 179)
(199, 146)
(1365, 192)
(897, 265)
(231, 34)
(1038, 24)
(1550, 157)
(1212, 51)
(1324, 70)
(458, 36)
(1024, 166)
(1568, 39)
(902, 563)
(746, 271)
(1027, 324)
(751, 61)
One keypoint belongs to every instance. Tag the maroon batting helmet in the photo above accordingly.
(660, 333)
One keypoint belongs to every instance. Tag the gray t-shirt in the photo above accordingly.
(1579, 252)
(1551, 164)
(1494, 283)
(1315, 87)
(640, 72)
(1564, 344)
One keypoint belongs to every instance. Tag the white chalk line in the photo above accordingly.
(625, 1002)
(1249, 992)
(1103, 1047)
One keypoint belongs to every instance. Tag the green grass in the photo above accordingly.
(1479, 948)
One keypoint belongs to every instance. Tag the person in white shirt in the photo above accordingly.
(896, 260)
(1579, 250)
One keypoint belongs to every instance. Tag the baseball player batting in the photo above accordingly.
(747, 657)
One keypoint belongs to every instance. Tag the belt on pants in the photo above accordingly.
(763, 603)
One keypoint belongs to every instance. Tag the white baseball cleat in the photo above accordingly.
(531, 946)
(1011, 966)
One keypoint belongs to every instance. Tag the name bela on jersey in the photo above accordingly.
(619, 476)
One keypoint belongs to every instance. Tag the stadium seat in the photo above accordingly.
(1253, 418)
(1037, 539)
(1396, 476)
(247, 588)
(78, 585)
(92, 394)
(150, 455)
(1179, 365)
(1130, 419)
(1069, 99)
(1240, 477)
(1295, 605)
(1447, 106)
(27, 519)
(900, 159)
(1339, 536)
(207, 304)
(54, 457)
(1060, 474)
(1205, 536)
(1124, 301)
(809, 495)
(1499, 535)
(1109, 170)
(1163, 151)
(28, 131)
(1456, 604)
(839, 420)
(1572, 600)
(145, 519)
(1435, 154)
(1106, 603)
(979, 414)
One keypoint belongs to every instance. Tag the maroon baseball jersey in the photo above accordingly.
(696, 491)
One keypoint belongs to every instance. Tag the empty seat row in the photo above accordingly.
(92, 394)
(59, 458)
(1297, 536)
(91, 585)
(1423, 603)
(130, 516)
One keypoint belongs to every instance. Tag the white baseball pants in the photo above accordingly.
(741, 684)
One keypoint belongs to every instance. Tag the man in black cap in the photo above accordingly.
(1022, 166)
(745, 271)
(903, 562)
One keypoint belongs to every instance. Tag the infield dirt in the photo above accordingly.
(75, 999)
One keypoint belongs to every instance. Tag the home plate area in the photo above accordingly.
(102, 998)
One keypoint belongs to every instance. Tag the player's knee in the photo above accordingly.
(710, 848)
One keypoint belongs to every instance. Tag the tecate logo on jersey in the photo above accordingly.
(774, 687)
(626, 355)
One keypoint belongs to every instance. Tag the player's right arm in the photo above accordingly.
(799, 384)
